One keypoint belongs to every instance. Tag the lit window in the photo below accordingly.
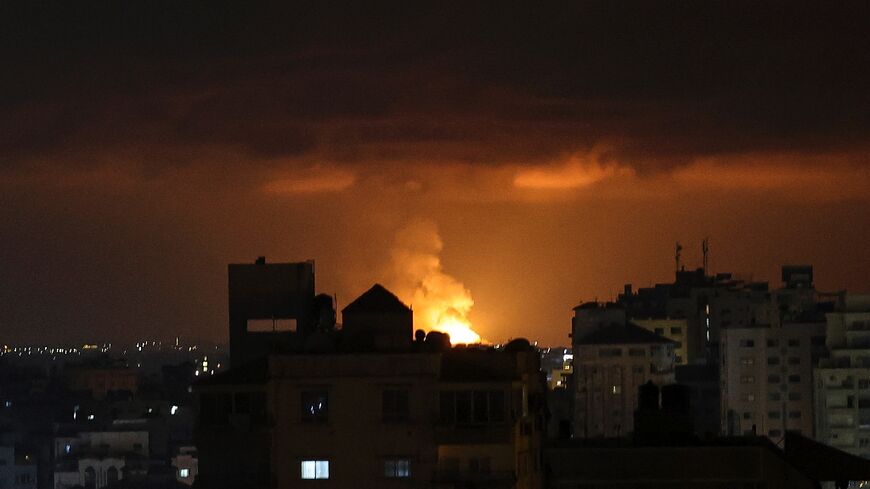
(184, 473)
(315, 406)
(397, 468)
(616, 389)
(315, 469)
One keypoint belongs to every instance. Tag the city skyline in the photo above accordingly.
(522, 158)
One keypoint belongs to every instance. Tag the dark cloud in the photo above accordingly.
(664, 81)
(145, 144)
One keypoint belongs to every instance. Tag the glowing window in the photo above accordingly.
(315, 406)
(184, 473)
(315, 469)
(397, 468)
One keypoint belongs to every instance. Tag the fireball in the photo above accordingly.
(459, 330)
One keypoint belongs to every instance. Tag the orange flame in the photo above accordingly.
(440, 302)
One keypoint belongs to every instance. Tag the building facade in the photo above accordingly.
(610, 364)
(842, 381)
(374, 406)
(767, 379)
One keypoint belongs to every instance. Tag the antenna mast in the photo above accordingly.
(705, 249)
(677, 249)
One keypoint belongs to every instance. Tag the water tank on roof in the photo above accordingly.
(648, 397)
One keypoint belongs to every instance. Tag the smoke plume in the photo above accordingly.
(440, 302)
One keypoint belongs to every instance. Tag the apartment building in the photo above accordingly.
(767, 378)
(375, 408)
(610, 363)
(842, 381)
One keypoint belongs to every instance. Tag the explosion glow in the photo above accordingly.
(440, 302)
(459, 330)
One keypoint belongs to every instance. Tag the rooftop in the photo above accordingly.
(376, 299)
(619, 334)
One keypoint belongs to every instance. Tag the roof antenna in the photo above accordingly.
(678, 248)
(705, 249)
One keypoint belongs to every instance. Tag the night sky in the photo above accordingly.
(527, 156)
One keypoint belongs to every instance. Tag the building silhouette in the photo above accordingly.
(270, 306)
(369, 405)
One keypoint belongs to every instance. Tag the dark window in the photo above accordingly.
(463, 407)
(794, 379)
(315, 405)
(773, 396)
(773, 360)
(610, 352)
(747, 343)
(774, 433)
(794, 396)
(676, 330)
(636, 352)
(773, 379)
(258, 407)
(772, 343)
(394, 405)
(448, 406)
(794, 414)
(480, 465)
(794, 360)
(794, 342)
(817, 341)
(496, 406)
(773, 415)
(481, 411)
(659, 331)
(747, 415)
(242, 403)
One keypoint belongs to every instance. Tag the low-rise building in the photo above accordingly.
(17, 469)
(99, 458)
(186, 464)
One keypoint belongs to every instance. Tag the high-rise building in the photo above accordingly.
(767, 378)
(842, 381)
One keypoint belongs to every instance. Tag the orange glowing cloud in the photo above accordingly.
(577, 172)
(832, 177)
(312, 180)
